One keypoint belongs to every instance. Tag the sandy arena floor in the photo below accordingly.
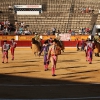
(25, 78)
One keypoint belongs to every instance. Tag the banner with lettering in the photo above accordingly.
(65, 36)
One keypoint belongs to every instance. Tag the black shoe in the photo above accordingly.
(90, 63)
(2, 62)
(6, 62)
(45, 70)
(53, 75)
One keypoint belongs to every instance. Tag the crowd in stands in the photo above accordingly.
(19, 28)
(85, 30)
(86, 10)
(6, 27)
(82, 31)
(22, 29)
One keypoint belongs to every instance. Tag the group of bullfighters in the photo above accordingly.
(50, 48)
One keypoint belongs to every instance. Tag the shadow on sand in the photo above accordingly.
(18, 87)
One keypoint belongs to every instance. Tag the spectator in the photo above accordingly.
(80, 32)
(73, 33)
(48, 32)
(58, 32)
(0, 26)
(7, 22)
(20, 32)
(87, 30)
(16, 32)
(27, 32)
(53, 30)
(41, 37)
(77, 44)
(83, 9)
(91, 10)
(22, 24)
(82, 45)
(5, 31)
(10, 7)
(83, 31)
(87, 10)
(70, 31)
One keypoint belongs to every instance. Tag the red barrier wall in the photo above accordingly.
(28, 43)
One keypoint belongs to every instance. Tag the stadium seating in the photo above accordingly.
(61, 14)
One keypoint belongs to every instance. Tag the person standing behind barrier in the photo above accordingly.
(12, 47)
(53, 31)
(53, 55)
(77, 45)
(45, 48)
(5, 49)
(82, 45)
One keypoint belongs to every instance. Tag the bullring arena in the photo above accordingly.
(24, 78)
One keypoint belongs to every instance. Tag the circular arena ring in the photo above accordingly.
(25, 78)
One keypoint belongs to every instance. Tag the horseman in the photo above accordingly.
(35, 46)
(96, 37)
(97, 44)
(37, 37)
(60, 43)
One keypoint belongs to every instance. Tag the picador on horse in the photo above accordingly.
(96, 40)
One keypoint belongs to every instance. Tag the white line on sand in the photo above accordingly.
(47, 85)
(77, 98)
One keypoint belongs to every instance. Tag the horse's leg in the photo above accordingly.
(97, 54)
(34, 53)
(62, 50)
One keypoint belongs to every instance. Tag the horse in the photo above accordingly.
(36, 46)
(96, 48)
(60, 44)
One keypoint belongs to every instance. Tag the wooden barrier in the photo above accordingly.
(5, 37)
(25, 37)
(79, 37)
(44, 37)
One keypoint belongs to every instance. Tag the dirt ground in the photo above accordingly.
(25, 78)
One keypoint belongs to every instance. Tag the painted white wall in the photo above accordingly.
(27, 12)
(16, 37)
(94, 29)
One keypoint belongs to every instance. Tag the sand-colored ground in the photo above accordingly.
(25, 78)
